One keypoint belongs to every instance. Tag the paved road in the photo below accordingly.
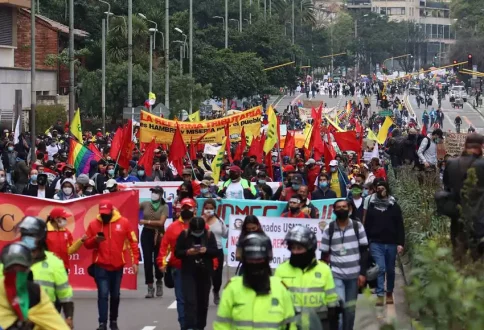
(468, 114)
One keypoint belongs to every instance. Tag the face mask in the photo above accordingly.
(106, 218)
(30, 242)
(437, 140)
(10, 148)
(183, 194)
(294, 209)
(67, 190)
(204, 190)
(141, 173)
(356, 191)
(62, 223)
(323, 185)
(333, 169)
(111, 172)
(197, 234)
(256, 277)
(341, 214)
(301, 260)
(257, 172)
(33, 177)
(155, 197)
(365, 192)
(262, 181)
(381, 194)
(186, 214)
(2, 179)
(296, 186)
(209, 213)
(274, 159)
(69, 174)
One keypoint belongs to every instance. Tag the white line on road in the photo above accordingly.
(173, 305)
(149, 327)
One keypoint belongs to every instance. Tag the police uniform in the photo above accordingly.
(242, 308)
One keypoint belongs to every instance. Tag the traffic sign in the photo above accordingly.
(386, 113)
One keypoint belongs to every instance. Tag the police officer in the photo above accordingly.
(47, 269)
(255, 299)
(310, 281)
(23, 304)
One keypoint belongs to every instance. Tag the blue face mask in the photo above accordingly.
(30, 242)
(365, 192)
(323, 184)
(10, 148)
(141, 173)
(204, 190)
(111, 172)
(262, 181)
(296, 186)
(33, 177)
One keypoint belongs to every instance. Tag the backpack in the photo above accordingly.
(419, 142)
(331, 232)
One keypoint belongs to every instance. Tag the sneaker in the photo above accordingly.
(151, 292)
(102, 326)
(216, 298)
(380, 301)
(159, 288)
(113, 325)
(390, 298)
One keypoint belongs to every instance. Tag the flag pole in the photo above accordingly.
(191, 163)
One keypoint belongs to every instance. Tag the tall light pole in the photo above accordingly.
(167, 54)
(292, 9)
(156, 28)
(104, 31)
(108, 13)
(240, 16)
(190, 60)
(226, 23)
(152, 46)
(223, 20)
(234, 20)
(182, 47)
(250, 12)
(33, 92)
(72, 95)
(130, 56)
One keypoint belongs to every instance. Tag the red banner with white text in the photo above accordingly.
(14, 207)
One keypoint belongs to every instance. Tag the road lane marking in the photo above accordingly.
(173, 305)
(148, 327)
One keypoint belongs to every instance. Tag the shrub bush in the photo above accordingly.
(47, 115)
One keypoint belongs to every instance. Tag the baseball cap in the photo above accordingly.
(188, 201)
(235, 168)
(59, 212)
(105, 207)
(334, 162)
(297, 179)
(111, 183)
(205, 183)
(310, 162)
(289, 168)
(157, 189)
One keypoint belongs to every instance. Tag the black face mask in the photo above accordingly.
(301, 260)
(294, 209)
(41, 181)
(106, 218)
(341, 214)
(234, 176)
(257, 277)
(69, 174)
(186, 214)
(183, 195)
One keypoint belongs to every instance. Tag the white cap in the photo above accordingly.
(111, 183)
(310, 161)
(334, 162)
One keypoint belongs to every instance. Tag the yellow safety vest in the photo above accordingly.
(242, 309)
(312, 289)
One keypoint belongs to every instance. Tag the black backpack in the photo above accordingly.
(356, 228)
(419, 142)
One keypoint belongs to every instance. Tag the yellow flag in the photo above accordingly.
(249, 138)
(75, 128)
(271, 135)
(194, 116)
(47, 131)
(218, 161)
(372, 136)
(334, 124)
(307, 133)
(383, 133)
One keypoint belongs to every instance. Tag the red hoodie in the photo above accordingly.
(61, 243)
(109, 254)
(168, 244)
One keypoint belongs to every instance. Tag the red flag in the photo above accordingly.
(201, 138)
(147, 158)
(316, 143)
(314, 114)
(178, 150)
(290, 145)
(116, 143)
(127, 145)
(241, 147)
(260, 150)
(193, 153)
(227, 144)
(329, 153)
(347, 141)
(268, 163)
(97, 154)
(424, 130)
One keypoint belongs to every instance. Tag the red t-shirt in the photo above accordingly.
(300, 215)
(380, 173)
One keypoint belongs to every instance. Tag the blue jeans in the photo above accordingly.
(108, 286)
(347, 291)
(180, 302)
(385, 256)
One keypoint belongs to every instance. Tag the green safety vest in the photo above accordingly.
(242, 309)
(312, 289)
(243, 182)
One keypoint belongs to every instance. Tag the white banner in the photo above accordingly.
(276, 229)
(211, 149)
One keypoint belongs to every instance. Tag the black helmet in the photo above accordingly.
(33, 226)
(303, 236)
(16, 254)
(256, 246)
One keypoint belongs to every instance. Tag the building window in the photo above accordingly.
(6, 28)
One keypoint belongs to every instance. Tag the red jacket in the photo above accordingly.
(109, 254)
(61, 243)
(168, 244)
(312, 176)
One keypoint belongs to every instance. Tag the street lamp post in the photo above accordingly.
(130, 57)
(167, 54)
(156, 28)
(108, 13)
(104, 31)
(33, 92)
(223, 20)
(190, 51)
(182, 47)
(234, 20)
(72, 94)
(226, 21)
(240, 16)
(152, 46)
(292, 21)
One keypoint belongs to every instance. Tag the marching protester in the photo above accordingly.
(106, 236)
(153, 216)
(294, 207)
(250, 224)
(40, 189)
(237, 187)
(323, 188)
(23, 303)
(220, 230)
(6, 187)
(67, 190)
